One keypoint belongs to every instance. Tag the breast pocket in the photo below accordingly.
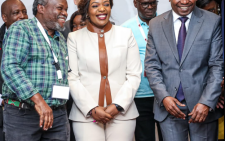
(202, 42)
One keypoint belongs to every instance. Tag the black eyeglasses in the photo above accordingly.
(146, 4)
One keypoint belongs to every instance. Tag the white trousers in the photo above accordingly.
(115, 130)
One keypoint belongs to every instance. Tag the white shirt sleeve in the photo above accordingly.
(1, 99)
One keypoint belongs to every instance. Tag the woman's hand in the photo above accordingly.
(112, 110)
(100, 115)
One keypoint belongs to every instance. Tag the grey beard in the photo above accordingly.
(59, 28)
(55, 26)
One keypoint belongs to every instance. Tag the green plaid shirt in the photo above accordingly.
(27, 63)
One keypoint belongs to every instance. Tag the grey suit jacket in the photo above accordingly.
(200, 70)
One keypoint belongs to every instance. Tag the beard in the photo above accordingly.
(54, 25)
(58, 27)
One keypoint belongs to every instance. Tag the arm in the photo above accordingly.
(15, 56)
(212, 90)
(127, 92)
(80, 95)
(153, 70)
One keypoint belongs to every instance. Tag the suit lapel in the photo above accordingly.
(193, 29)
(168, 28)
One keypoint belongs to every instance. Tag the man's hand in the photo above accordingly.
(170, 105)
(199, 113)
(45, 112)
(112, 110)
(100, 115)
(220, 103)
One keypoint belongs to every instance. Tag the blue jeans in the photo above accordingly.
(23, 124)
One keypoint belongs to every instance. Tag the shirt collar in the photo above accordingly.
(176, 16)
(141, 22)
(144, 23)
(56, 35)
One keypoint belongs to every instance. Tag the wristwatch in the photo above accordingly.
(119, 108)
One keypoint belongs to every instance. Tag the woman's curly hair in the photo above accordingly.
(83, 6)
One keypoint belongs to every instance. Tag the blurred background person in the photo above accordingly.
(105, 75)
(144, 98)
(76, 21)
(68, 30)
(11, 11)
(210, 5)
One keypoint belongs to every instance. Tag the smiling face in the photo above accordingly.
(99, 12)
(183, 7)
(55, 14)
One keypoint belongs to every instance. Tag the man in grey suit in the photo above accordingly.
(184, 66)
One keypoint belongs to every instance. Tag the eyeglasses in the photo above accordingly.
(146, 4)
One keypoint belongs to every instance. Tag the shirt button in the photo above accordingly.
(104, 77)
(101, 35)
(102, 31)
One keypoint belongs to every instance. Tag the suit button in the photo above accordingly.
(102, 31)
(181, 70)
(104, 77)
(175, 89)
(101, 35)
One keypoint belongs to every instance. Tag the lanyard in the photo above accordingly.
(141, 29)
(59, 73)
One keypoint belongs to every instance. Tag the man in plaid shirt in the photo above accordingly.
(29, 74)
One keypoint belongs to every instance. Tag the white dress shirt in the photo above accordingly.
(177, 23)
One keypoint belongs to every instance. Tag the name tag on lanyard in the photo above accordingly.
(58, 91)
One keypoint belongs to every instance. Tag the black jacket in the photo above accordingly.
(2, 33)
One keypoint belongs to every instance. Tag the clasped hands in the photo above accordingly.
(198, 114)
(104, 114)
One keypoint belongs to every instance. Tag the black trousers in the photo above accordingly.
(145, 123)
(23, 125)
(1, 125)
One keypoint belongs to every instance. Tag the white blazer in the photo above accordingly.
(124, 71)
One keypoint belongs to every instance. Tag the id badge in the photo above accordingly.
(60, 92)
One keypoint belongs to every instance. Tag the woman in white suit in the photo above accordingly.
(105, 75)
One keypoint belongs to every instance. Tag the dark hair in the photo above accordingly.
(35, 4)
(203, 3)
(83, 6)
(72, 18)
